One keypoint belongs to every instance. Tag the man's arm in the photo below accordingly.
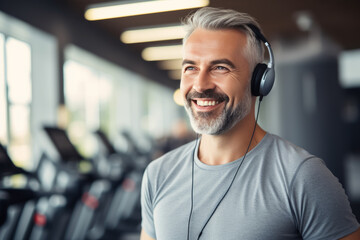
(353, 236)
(145, 236)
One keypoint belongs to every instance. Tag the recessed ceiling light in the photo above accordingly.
(162, 53)
(175, 64)
(160, 33)
(175, 74)
(178, 99)
(131, 8)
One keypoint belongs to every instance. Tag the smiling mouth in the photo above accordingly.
(205, 103)
(207, 100)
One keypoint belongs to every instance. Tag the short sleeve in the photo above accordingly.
(147, 207)
(319, 203)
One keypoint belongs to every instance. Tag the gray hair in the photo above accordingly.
(216, 19)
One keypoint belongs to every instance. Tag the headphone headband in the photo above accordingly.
(257, 32)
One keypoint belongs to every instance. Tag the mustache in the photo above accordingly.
(210, 93)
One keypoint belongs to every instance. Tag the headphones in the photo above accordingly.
(263, 76)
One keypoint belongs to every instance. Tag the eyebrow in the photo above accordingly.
(223, 61)
(186, 61)
(214, 62)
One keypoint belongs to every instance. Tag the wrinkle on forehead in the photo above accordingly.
(214, 44)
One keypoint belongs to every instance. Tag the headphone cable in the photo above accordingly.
(232, 181)
(192, 187)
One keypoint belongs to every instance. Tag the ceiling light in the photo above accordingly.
(175, 74)
(162, 53)
(153, 34)
(304, 20)
(171, 64)
(131, 8)
(178, 99)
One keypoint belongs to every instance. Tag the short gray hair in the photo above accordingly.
(216, 19)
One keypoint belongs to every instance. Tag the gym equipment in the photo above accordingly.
(107, 203)
(72, 204)
(16, 204)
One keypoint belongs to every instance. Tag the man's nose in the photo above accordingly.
(203, 82)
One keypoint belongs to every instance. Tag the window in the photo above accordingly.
(15, 98)
(100, 94)
(349, 71)
(29, 89)
(88, 94)
(3, 99)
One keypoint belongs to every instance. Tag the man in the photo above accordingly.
(236, 181)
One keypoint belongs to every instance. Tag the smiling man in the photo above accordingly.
(237, 181)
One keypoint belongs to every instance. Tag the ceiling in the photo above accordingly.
(338, 19)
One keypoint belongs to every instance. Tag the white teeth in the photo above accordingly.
(206, 103)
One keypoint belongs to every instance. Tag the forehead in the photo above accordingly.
(225, 43)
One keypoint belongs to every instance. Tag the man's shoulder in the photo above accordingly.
(287, 156)
(285, 148)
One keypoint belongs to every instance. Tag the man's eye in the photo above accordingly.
(220, 68)
(189, 68)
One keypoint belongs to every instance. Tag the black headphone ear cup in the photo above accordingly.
(256, 78)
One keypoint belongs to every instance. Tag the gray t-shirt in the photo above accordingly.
(280, 192)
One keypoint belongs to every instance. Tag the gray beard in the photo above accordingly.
(207, 123)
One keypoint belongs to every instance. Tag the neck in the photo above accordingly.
(225, 148)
